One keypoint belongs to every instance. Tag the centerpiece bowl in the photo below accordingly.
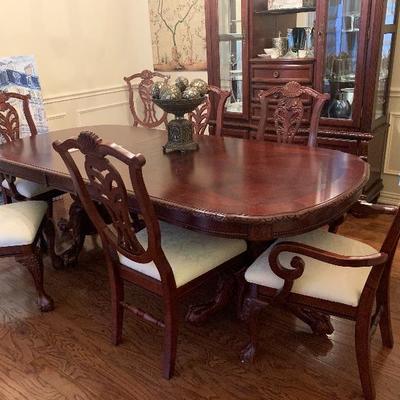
(180, 130)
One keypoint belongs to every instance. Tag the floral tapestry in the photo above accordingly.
(178, 34)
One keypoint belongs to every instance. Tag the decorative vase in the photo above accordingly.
(339, 107)
(180, 130)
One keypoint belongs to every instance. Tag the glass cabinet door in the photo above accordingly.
(389, 32)
(343, 54)
(231, 43)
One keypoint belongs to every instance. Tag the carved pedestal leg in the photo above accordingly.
(74, 231)
(200, 312)
(319, 323)
(334, 225)
(35, 266)
(48, 244)
(251, 311)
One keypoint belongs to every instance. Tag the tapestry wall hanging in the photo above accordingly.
(178, 35)
(19, 74)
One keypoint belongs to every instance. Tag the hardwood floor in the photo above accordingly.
(67, 354)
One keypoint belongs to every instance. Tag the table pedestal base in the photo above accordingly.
(319, 323)
(199, 313)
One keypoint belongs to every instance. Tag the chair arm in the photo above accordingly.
(364, 209)
(297, 263)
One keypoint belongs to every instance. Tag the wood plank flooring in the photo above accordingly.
(67, 354)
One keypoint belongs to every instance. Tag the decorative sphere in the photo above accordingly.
(200, 85)
(182, 83)
(156, 89)
(166, 93)
(191, 93)
(176, 91)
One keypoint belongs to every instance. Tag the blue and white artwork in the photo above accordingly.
(19, 74)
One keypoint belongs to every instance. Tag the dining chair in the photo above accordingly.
(200, 117)
(17, 188)
(290, 111)
(322, 272)
(152, 116)
(168, 261)
(21, 229)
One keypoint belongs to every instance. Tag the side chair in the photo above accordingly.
(325, 273)
(201, 116)
(150, 118)
(166, 260)
(17, 188)
(290, 111)
(21, 228)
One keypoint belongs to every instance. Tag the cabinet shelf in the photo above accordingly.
(286, 11)
(226, 37)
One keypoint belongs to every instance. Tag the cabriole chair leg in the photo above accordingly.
(34, 264)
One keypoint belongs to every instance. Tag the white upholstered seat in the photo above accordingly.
(27, 188)
(20, 222)
(319, 280)
(190, 254)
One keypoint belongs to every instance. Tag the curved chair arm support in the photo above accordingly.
(297, 263)
(321, 255)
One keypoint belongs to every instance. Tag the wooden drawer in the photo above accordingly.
(274, 73)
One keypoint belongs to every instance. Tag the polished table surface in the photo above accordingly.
(231, 187)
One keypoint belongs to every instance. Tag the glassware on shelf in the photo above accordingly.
(292, 51)
(309, 47)
(231, 42)
(342, 39)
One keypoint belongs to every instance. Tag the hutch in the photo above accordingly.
(341, 47)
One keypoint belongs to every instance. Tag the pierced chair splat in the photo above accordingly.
(14, 187)
(19, 189)
(202, 115)
(290, 111)
(166, 260)
(152, 117)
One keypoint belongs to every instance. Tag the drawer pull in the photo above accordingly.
(276, 74)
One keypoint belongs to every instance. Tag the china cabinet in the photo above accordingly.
(340, 47)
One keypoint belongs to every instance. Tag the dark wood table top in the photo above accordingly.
(233, 187)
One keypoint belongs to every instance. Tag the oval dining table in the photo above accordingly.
(238, 188)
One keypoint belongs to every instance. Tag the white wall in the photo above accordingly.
(391, 192)
(83, 49)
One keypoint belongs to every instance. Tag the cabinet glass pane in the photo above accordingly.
(382, 88)
(342, 39)
(390, 12)
(230, 52)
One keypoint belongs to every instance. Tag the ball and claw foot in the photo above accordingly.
(45, 303)
(247, 354)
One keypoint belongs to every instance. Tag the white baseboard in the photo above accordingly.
(390, 198)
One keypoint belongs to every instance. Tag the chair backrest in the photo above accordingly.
(289, 111)
(106, 187)
(9, 119)
(200, 117)
(392, 238)
(150, 119)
